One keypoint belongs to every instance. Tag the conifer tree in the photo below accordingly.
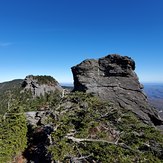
(13, 130)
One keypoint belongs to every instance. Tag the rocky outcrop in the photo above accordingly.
(113, 79)
(39, 85)
(39, 136)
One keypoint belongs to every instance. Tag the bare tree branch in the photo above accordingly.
(80, 140)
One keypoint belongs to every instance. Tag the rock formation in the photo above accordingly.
(113, 79)
(39, 85)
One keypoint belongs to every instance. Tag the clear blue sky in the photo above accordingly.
(50, 36)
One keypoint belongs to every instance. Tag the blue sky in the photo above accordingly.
(50, 36)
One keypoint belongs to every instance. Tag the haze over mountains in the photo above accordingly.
(155, 95)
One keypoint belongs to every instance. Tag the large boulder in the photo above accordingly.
(113, 79)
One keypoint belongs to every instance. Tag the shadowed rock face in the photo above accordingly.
(113, 79)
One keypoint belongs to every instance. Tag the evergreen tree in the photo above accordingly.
(13, 130)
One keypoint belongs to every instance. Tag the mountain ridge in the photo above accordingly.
(83, 125)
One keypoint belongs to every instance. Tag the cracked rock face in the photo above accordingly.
(113, 79)
(32, 83)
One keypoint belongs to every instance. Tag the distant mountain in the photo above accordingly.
(7, 90)
(155, 95)
(10, 85)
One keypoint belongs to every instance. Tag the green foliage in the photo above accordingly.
(113, 134)
(44, 79)
(91, 119)
(13, 130)
(40, 102)
(8, 90)
(28, 102)
(13, 90)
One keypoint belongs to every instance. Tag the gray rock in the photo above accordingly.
(39, 118)
(38, 88)
(31, 118)
(113, 79)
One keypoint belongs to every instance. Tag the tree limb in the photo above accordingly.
(79, 140)
(123, 145)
